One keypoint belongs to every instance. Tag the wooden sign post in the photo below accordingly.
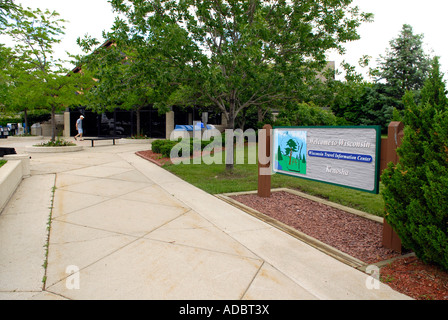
(264, 162)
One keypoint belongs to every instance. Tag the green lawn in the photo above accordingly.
(2, 162)
(215, 179)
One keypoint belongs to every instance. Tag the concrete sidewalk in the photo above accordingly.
(124, 228)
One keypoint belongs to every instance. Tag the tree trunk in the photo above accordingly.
(138, 121)
(25, 114)
(53, 123)
(242, 122)
(260, 114)
(229, 144)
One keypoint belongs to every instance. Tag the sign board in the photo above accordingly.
(344, 156)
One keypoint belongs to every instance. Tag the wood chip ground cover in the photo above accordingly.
(359, 237)
(356, 236)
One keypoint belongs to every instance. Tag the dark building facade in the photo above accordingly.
(123, 123)
(119, 122)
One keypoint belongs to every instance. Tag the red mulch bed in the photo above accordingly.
(356, 236)
(416, 279)
(154, 157)
(158, 159)
(359, 237)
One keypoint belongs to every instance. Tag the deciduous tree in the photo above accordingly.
(37, 79)
(7, 7)
(239, 54)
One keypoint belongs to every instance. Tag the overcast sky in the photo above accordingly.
(426, 17)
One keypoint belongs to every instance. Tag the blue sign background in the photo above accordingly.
(341, 156)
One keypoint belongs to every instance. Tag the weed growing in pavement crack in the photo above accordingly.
(47, 244)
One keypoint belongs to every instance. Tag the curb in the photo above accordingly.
(25, 138)
(148, 159)
(11, 175)
(135, 141)
(54, 149)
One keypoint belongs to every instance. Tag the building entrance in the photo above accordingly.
(119, 123)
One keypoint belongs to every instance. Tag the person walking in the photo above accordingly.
(79, 128)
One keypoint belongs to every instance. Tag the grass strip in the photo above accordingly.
(215, 179)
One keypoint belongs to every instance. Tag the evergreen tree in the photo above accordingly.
(279, 154)
(405, 66)
(415, 192)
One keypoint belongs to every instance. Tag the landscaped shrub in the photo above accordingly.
(164, 146)
(56, 143)
(156, 144)
(415, 193)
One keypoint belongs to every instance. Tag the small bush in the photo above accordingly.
(57, 143)
(140, 136)
(164, 147)
(156, 144)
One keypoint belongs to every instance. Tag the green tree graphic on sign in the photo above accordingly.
(290, 154)
(292, 147)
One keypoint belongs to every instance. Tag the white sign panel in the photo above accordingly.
(345, 156)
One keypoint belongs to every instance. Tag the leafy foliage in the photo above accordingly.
(6, 8)
(35, 80)
(367, 104)
(303, 114)
(238, 54)
(131, 72)
(415, 189)
(164, 147)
